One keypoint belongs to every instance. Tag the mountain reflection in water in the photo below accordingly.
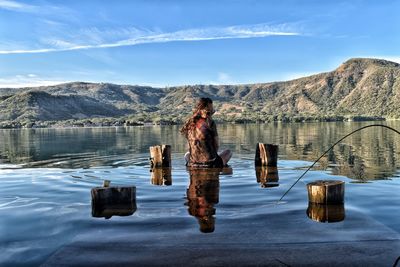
(367, 155)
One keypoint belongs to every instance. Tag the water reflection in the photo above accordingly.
(370, 154)
(202, 195)
(161, 176)
(83, 147)
(226, 170)
(267, 176)
(113, 201)
(326, 212)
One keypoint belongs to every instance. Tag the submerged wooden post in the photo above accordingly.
(161, 176)
(160, 156)
(326, 192)
(108, 201)
(266, 155)
(326, 212)
(267, 176)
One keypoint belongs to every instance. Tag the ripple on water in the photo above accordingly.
(15, 202)
(52, 206)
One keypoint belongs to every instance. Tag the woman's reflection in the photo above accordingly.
(202, 195)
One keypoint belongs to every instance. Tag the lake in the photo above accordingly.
(46, 176)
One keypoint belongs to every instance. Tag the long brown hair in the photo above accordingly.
(191, 122)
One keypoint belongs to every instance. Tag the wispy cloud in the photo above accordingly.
(145, 37)
(27, 80)
(224, 78)
(16, 6)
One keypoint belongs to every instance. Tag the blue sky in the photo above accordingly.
(166, 43)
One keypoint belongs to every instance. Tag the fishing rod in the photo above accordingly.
(337, 142)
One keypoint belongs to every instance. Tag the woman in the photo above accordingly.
(201, 133)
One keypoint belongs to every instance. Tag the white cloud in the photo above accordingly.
(224, 78)
(94, 38)
(27, 80)
(16, 6)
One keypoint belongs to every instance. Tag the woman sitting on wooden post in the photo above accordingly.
(201, 132)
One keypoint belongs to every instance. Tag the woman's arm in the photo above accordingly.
(216, 142)
(215, 132)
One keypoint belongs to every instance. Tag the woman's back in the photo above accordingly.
(201, 138)
(202, 135)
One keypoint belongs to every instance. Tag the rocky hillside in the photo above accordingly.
(359, 87)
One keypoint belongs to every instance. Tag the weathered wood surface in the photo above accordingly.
(326, 192)
(326, 212)
(266, 155)
(109, 201)
(267, 176)
(161, 176)
(106, 183)
(160, 156)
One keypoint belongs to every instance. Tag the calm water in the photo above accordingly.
(46, 176)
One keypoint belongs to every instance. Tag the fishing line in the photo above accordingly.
(337, 142)
(396, 262)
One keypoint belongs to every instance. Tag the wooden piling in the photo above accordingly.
(106, 183)
(110, 201)
(267, 176)
(266, 155)
(326, 192)
(326, 212)
(161, 176)
(160, 156)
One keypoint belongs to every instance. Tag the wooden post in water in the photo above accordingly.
(108, 201)
(160, 156)
(326, 192)
(266, 155)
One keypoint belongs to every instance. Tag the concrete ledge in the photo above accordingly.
(278, 239)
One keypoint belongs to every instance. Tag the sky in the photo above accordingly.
(168, 43)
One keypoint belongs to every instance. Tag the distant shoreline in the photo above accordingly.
(120, 122)
(360, 89)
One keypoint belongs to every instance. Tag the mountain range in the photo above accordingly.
(362, 87)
